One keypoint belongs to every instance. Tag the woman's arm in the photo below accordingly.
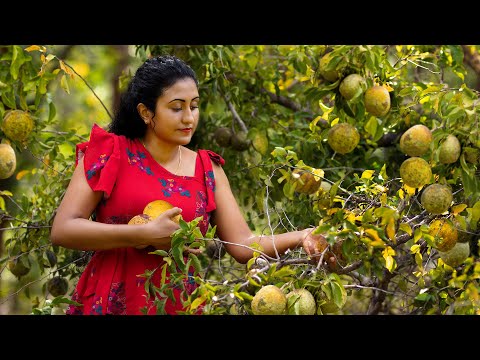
(232, 227)
(73, 229)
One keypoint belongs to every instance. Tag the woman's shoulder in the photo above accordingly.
(216, 158)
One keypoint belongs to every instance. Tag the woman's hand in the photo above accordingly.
(159, 230)
(314, 244)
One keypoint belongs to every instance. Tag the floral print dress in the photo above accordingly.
(130, 178)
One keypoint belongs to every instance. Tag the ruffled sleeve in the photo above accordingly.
(101, 159)
(207, 156)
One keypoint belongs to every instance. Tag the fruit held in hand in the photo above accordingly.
(269, 300)
(449, 150)
(152, 210)
(436, 198)
(157, 207)
(8, 161)
(445, 234)
(17, 125)
(415, 172)
(352, 85)
(377, 100)
(416, 140)
(456, 255)
(301, 302)
(343, 138)
(58, 285)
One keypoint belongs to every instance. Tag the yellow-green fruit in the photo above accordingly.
(328, 306)
(301, 302)
(436, 198)
(17, 125)
(240, 141)
(260, 142)
(269, 300)
(416, 140)
(352, 86)
(456, 255)
(449, 150)
(415, 172)
(8, 161)
(58, 285)
(223, 136)
(463, 230)
(472, 155)
(306, 182)
(343, 138)
(18, 267)
(329, 75)
(445, 234)
(377, 100)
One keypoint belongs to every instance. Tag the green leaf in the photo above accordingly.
(195, 262)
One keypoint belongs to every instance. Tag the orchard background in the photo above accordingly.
(275, 105)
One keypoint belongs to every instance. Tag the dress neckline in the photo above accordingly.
(151, 158)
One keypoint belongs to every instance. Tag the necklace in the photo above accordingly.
(179, 156)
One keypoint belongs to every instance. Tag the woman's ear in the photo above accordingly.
(144, 113)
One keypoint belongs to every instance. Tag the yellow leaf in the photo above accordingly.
(35, 48)
(367, 174)
(390, 229)
(409, 190)
(373, 234)
(457, 209)
(198, 301)
(406, 228)
(401, 194)
(21, 174)
(383, 199)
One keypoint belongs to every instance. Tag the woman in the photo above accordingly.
(142, 157)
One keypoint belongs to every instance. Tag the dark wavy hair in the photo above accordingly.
(150, 81)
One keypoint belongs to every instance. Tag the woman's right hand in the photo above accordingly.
(314, 244)
(159, 231)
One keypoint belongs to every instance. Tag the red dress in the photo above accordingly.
(130, 178)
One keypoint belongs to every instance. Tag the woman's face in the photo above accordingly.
(176, 113)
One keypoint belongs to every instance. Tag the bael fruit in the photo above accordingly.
(329, 75)
(269, 300)
(240, 141)
(301, 302)
(305, 181)
(17, 125)
(377, 100)
(152, 210)
(472, 155)
(343, 138)
(445, 234)
(463, 229)
(415, 172)
(449, 150)
(8, 161)
(223, 136)
(416, 140)
(157, 207)
(456, 255)
(58, 285)
(436, 198)
(352, 86)
(19, 267)
(215, 249)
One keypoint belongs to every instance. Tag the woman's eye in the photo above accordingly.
(193, 107)
(177, 109)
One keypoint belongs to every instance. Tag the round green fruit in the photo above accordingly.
(331, 75)
(352, 86)
(436, 198)
(215, 249)
(416, 140)
(8, 161)
(449, 150)
(377, 100)
(17, 125)
(240, 141)
(301, 302)
(456, 255)
(343, 138)
(58, 285)
(269, 300)
(223, 136)
(415, 172)
(18, 267)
